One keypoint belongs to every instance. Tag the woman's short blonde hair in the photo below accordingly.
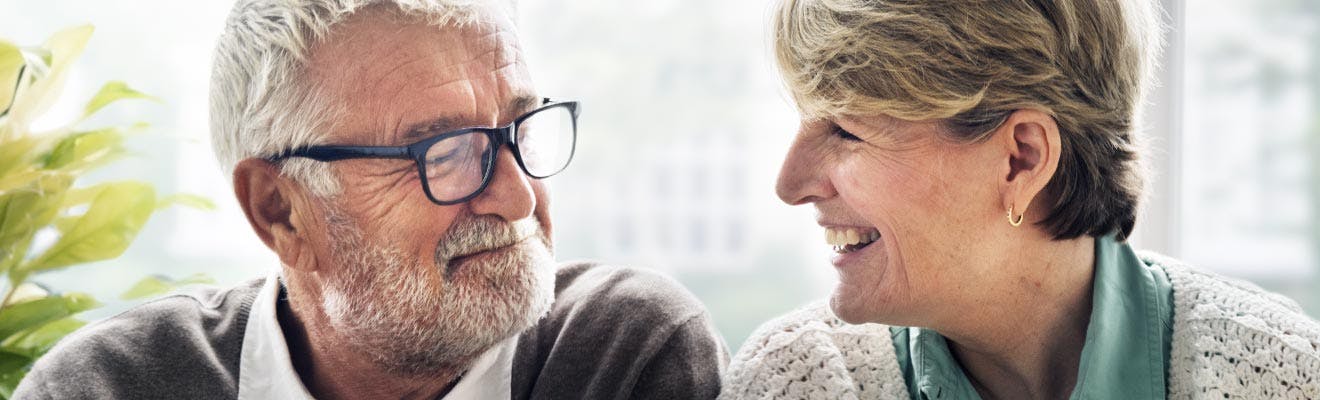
(971, 63)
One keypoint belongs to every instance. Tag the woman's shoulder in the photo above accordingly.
(1202, 296)
(1239, 335)
(811, 354)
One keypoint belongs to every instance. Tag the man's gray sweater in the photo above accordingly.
(612, 333)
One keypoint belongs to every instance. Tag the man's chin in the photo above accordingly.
(512, 286)
(487, 302)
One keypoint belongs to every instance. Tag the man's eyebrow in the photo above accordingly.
(430, 128)
(524, 103)
(422, 130)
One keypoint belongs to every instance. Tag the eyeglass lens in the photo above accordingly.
(455, 166)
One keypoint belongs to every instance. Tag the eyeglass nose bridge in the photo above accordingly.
(501, 137)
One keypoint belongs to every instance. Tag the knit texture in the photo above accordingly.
(1231, 340)
(810, 354)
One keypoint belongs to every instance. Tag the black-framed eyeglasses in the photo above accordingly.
(456, 166)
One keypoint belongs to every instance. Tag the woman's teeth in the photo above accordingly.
(847, 240)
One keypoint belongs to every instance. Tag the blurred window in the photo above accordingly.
(1248, 178)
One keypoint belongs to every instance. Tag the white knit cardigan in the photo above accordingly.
(1231, 340)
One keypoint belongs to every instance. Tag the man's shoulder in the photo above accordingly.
(643, 296)
(631, 307)
(809, 353)
(181, 337)
(141, 332)
(642, 334)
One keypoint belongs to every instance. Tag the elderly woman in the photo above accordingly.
(974, 165)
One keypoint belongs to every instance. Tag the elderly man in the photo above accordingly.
(390, 154)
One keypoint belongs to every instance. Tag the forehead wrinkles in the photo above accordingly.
(375, 62)
(372, 46)
(497, 62)
(882, 124)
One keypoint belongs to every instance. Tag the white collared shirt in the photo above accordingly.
(265, 370)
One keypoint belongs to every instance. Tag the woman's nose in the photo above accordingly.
(801, 178)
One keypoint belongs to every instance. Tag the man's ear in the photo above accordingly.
(1030, 139)
(276, 208)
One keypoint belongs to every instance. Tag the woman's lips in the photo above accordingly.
(849, 248)
(851, 254)
(849, 239)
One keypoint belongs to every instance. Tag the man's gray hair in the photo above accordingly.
(260, 106)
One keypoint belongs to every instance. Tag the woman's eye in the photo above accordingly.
(838, 131)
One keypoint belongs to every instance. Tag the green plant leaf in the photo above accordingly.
(62, 154)
(16, 153)
(79, 196)
(64, 47)
(24, 212)
(156, 285)
(111, 92)
(12, 363)
(116, 214)
(9, 381)
(37, 313)
(27, 291)
(184, 199)
(83, 150)
(11, 65)
(14, 180)
(36, 342)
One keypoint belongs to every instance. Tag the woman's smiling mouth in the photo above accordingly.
(847, 240)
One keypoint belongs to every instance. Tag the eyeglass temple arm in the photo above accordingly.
(336, 153)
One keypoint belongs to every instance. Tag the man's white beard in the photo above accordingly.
(414, 317)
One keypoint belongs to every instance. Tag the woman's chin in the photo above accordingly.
(849, 308)
(868, 302)
(861, 295)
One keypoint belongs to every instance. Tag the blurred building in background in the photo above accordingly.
(684, 124)
(1249, 143)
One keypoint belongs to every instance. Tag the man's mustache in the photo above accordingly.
(474, 234)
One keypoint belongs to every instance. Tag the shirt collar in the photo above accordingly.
(938, 375)
(266, 372)
(1124, 352)
(1123, 356)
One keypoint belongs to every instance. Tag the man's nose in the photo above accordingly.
(802, 179)
(509, 194)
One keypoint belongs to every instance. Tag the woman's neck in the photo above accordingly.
(1025, 339)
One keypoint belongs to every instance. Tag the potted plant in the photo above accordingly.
(48, 221)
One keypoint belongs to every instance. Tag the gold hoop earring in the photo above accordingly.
(1019, 219)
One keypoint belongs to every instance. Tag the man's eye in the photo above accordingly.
(441, 158)
(441, 165)
(845, 135)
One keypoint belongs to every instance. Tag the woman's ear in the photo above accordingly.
(277, 208)
(1030, 140)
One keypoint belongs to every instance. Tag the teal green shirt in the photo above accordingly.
(1126, 354)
